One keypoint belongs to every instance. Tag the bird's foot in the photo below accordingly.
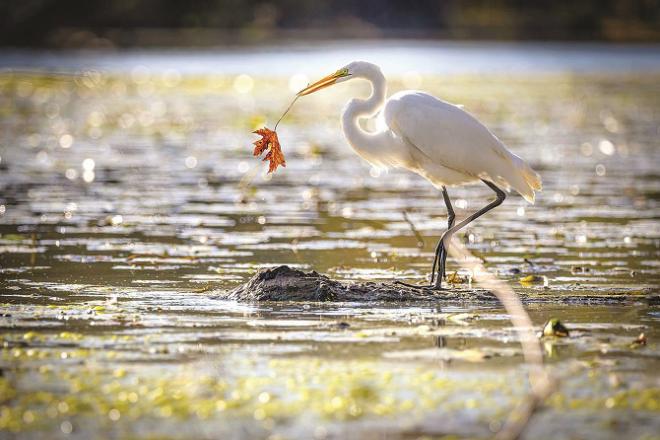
(420, 286)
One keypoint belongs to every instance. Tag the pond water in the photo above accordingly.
(129, 197)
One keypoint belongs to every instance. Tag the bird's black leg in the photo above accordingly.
(444, 240)
(440, 255)
(451, 220)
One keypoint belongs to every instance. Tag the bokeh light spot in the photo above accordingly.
(243, 84)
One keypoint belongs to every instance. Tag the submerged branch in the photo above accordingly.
(418, 236)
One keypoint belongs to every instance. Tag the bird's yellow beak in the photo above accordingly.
(323, 82)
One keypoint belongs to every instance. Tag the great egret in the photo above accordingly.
(435, 139)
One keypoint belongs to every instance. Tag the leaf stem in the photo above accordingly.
(285, 112)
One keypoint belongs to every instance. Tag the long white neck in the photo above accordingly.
(365, 143)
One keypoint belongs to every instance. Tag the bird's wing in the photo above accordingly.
(444, 135)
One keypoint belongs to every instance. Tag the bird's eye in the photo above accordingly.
(342, 72)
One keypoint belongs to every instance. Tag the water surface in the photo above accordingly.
(129, 195)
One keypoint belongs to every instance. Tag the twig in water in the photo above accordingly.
(420, 239)
(530, 262)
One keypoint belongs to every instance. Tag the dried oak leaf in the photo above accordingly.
(271, 144)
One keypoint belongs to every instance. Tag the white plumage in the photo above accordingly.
(451, 147)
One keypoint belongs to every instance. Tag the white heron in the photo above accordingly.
(435, 139)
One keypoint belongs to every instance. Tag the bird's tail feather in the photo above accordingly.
(532, 178)
(514, 172)
(526, 181)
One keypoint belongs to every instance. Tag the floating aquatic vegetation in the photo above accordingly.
(450, 354)
(639, 341)
(531, 280)
(455, 278)
(554, 327)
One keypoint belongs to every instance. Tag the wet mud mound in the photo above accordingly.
(283, 283)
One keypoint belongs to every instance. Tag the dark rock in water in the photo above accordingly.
(285, 284)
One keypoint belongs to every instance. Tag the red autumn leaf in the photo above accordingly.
(271, 145)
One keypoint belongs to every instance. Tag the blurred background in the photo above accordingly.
(139, 23)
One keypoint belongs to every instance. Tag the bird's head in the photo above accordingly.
(356, 69)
